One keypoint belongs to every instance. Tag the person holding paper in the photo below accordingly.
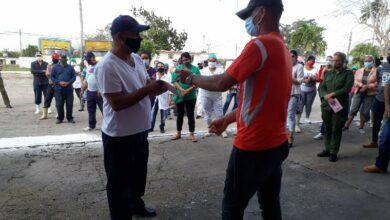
(335, 89)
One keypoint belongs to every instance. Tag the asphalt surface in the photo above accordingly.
(185, 180)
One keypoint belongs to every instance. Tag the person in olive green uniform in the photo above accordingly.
(186, 98)
(337, 84)
(4, 93)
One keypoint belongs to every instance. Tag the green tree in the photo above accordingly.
(30, 51)
(101, 34)
(361, 50)
(11, 54)
(307, 37)
(374, 14)
(286, 31)
(161, 35)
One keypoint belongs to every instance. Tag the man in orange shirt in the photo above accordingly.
(264, 72)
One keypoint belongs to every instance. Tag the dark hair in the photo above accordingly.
(147, 53)
(294, 52)
(378, 61)
(341, 55)
(186, 55)
(311, 57)
(159, 63)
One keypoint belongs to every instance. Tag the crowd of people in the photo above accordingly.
(130, 92)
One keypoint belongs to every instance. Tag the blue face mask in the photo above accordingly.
(251, 28)
(368, 65)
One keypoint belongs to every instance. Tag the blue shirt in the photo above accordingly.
(63, 73)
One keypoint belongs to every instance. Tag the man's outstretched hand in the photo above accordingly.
(218, 126)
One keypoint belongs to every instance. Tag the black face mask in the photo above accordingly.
(55, 61)
(188, 65)
(133, 44)
(161, 70)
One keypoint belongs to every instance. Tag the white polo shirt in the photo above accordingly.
(115, 75)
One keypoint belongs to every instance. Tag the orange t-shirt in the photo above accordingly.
(264, 72)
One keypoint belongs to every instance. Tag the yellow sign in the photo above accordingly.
(54, 44)
(98, 45)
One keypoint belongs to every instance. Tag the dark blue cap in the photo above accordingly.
(89, 56)
(127, 23)
(247, 12)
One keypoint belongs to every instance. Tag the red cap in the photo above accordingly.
(55, 56)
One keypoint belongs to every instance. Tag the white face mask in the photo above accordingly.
(212, 65)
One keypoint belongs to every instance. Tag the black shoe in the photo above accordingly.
(198, 116)
(162, 131)
(151, 130)
(145, 212)
(8, 106)
(71, 121)
(345, 128)
(323, 154)
(58, 121)
(290, 145)
(333, 158)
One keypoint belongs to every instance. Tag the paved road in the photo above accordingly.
(186, 181)
(56, 172)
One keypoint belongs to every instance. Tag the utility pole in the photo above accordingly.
(20, 40)
(349, 42)
(81, 31)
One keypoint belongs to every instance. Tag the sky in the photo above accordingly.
(207, 22)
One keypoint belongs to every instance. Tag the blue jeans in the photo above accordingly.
(382, 161)
(163, 113)
(292, 109)
(229, 98)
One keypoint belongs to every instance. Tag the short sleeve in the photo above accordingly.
(249, 61)
(174, 77)
(108, 80)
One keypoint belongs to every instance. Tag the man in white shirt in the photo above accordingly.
(91, 87)
(125, 87)
(211, 102)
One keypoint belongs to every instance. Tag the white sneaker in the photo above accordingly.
(357, 124)
(49, 111)
(225, 135)
(297, 129)
(88, 129)
(307, 121)
(319, 136)
(361, 131)
(208, 134)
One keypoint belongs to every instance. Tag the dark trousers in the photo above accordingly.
(189, 106)
(322, 129)
(49, 96)
(378, 109)
(229, 98)
(334, 123)
(38, 91)
(125, 162)
(78, 93)
(382, 161)
(93, 100)
(163, 113)
(63, 98)
(249, 172)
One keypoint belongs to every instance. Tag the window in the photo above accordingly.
(13, 62)
(170, 56)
